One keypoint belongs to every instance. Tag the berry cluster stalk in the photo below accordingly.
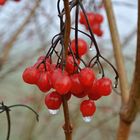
(67, 126)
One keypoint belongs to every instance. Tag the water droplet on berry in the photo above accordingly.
(87, 119)
(91, 49)
(53, 112)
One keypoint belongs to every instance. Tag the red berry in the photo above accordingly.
(76, 85)
(43, 82)
(31, 75)
(97, 30)
(71, 67)
(80, 95)
(99, 18)
(55, 74)
(86, 77)
(100, 33)
(92, 92)
(87, 108)
(52, 67)
(53, 100)
(41, 66)
(90, 17)
(62, 84)
(104, 86)
(82, 46)
(82, 18)
(2, 2)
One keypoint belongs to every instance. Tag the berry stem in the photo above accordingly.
(76, 29)
(67, 126)
(67, 26)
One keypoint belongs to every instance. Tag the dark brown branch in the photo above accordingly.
(67, 26)
(67, 126)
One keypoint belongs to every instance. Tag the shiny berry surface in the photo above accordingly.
(62, 84)
(82, 46)
(76, 85)
(93, 92)
(71, 65)
(43, 82)
(86, 77)
(87, 108)
(53, 100)
(104, 86)
(31, 75)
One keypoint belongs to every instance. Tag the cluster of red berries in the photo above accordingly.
(67, 81)
(2, 2)
(95, 20)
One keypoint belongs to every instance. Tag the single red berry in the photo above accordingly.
(31, 75)
(53, 100)
(62, 84)
(43, 82)
(87, 108)
(104, 86)
(76, 85)
(71, 64)
(92, 92)
(86, 77)
(2, 2)
(82, 47)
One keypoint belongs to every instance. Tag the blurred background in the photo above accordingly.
(26, 30)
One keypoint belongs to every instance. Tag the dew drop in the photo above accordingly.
(91, 49)
(87, 119)
(53, 112)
